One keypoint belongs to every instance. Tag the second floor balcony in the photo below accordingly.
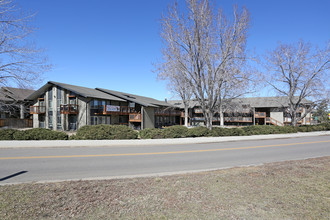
(36, 109)
(117, 110)
(260, 115)
(160, 112)
(69, 109)
(238, 119)
(135, 117)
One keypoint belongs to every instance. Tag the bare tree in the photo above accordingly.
(299, 71)
(21, 63)
(179, 85)
(208, 51)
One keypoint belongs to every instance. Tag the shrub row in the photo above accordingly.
(181, 131)
(102, 132)
(32, 134)
(112, 132)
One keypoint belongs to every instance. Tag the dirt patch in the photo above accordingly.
(284, 190)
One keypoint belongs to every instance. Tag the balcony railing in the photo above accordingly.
(69, 109)
(238, 119)
(37, 109)
(289, 120)
(198, 110)
(119, 110)
(198, 119)
(160, 112)
(260, 114)
(135, 117)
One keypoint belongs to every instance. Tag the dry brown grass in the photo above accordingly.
(284, 190)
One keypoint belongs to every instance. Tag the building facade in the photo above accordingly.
(249, 111)
(60, 106)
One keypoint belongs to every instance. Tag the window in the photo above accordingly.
(59, 98)
(59, 121)
(50, 99)
(50, 119)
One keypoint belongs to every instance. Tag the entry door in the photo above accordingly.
(41, 121)
(73, 122)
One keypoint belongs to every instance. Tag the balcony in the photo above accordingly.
(69, 109)
(198, 119)
(37, 109)
(198, 110)
(260, 115)
(117, 110)
(160, 112)
(135, 117)
(288, 120)
(238, 119)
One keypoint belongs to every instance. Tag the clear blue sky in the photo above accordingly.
(113, 43)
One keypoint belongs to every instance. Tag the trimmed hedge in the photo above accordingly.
(151, 133)
(40, 134)
(7, 134)
(199, 132)
(176, 131)
(105, 132)
(111, 132)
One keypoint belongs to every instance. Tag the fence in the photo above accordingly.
(16, 123)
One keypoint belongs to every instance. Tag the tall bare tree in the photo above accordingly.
(208, 51)
(299, 71)
(21, 62)
(178, 84)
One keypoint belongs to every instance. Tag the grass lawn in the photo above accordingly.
(283, 190)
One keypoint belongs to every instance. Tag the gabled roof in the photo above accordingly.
(254, 102)
(14, 94)
(142, 100)
(270, 102)
(79, 90)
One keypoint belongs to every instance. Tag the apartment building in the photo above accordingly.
(249, 111)
(60, 106)
(14, 111)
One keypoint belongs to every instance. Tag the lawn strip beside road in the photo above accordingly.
(281, 190)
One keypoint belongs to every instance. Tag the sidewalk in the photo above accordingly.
(109, 143)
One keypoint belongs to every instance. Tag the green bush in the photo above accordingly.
(309, 128)
(176, 131)
(102, 132)
(40, 134)
(236, 132)
(7, 134)
(151, 133)
(219, 132)
(198, 132)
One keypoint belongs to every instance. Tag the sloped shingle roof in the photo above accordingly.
(255, 102)
(142, 100)
(79, 90)
(14, 94)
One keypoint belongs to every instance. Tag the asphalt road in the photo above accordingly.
(56, 164)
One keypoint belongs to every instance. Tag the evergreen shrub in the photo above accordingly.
(151, 133)
(176, 131)
(103, 132)
(198, 132)
(40, 134)
(7, 134)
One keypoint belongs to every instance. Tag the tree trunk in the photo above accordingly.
(208, 118)
(186, 115)
(222, 121)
